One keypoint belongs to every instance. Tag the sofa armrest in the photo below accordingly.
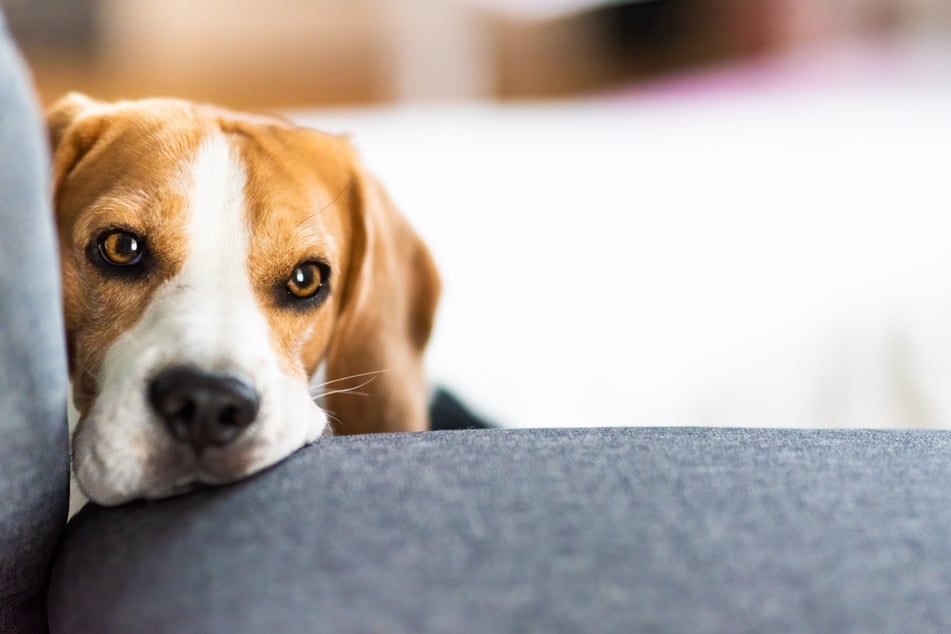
(34, 456)
(595, 530)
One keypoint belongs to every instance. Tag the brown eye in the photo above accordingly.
(306, 281)
(121, 248)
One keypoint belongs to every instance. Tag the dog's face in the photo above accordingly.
(212, 262)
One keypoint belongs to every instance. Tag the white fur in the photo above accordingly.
(207, 316)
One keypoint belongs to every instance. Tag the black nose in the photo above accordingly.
(203, 408)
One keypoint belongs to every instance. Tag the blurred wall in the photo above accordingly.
(285, 53)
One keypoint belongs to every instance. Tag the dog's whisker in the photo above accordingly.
(325, 207)
(355, 387)
(345, 378)
(346, 390)
(333, 419)
(319, 396)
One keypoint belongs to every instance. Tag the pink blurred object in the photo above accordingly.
(863, 65)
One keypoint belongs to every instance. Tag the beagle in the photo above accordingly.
(227, 280)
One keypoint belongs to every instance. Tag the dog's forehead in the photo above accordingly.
(146, 150)
(145, 138)
(292, 174)
(130, 154)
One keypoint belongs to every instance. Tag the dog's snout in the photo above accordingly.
(203, 408)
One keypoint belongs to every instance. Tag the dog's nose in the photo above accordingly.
(203, 408)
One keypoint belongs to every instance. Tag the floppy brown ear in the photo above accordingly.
(386, 315)
(71, 134)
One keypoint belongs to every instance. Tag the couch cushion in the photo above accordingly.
(33, 439)
(598, 530)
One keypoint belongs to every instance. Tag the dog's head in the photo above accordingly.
(212, 263)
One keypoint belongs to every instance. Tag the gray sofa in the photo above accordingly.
(595, 530)
(478, 530)
(34, 459)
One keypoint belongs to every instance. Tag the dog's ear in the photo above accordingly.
(72, 132)
(73, 129)
(387, 308)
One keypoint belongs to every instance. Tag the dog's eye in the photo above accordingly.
(306, 280)
(121, 248)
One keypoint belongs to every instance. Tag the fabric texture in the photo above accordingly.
(561, 530)
(33, 436)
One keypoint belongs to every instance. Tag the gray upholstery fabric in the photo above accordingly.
(33, 436)
(612, 530)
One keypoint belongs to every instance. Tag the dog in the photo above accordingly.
(218, 269)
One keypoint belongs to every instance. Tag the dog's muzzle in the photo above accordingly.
(203, 409)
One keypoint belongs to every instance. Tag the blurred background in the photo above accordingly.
(664, 212)
(281, 53)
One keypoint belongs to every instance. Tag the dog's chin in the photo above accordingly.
(191, 483)
(185, 475)
(113, 472)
